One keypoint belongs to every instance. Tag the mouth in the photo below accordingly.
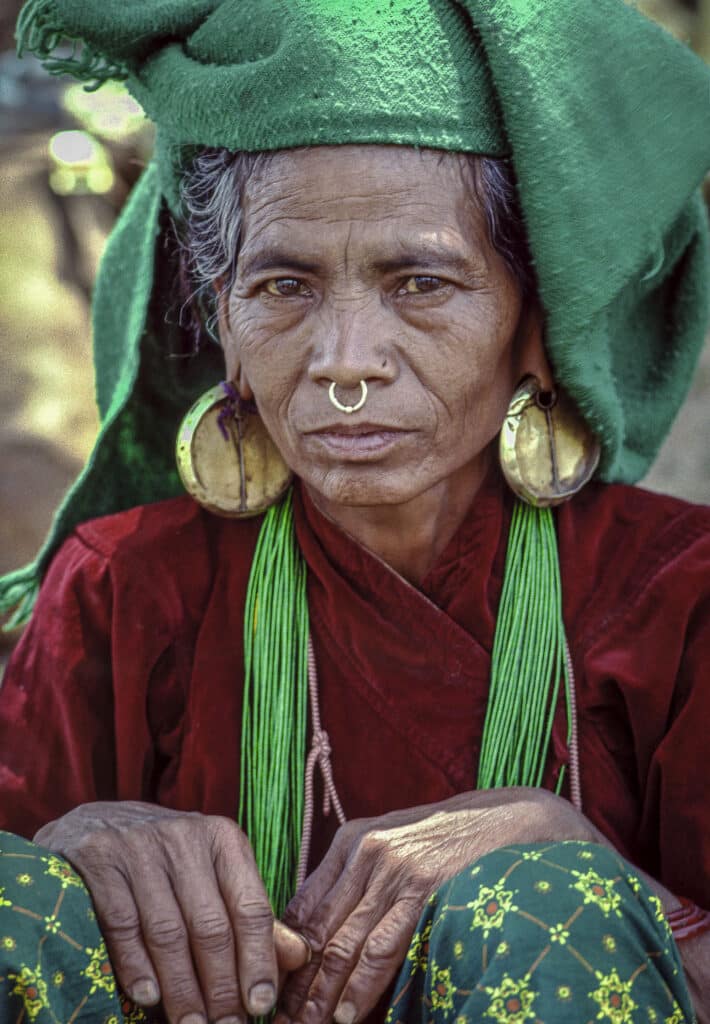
(357, 440)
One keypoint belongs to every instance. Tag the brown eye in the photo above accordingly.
(286, 287)
(420, 284)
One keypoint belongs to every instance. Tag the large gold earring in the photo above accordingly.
(226, 458)
(547, 451)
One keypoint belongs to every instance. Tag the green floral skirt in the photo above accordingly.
(559, 933)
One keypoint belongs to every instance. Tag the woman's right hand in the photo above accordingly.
(181, 905)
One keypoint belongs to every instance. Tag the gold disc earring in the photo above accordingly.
(226, 458)
(547, 452)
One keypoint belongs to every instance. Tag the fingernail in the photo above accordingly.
(145, 992)
(193, 1018)
(345, 1013)
(230, 1020)
(261, 998)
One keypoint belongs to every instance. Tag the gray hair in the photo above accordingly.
(212, 193)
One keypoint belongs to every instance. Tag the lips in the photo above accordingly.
(357, 440)
(355, 429)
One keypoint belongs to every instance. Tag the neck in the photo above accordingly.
(409, 537)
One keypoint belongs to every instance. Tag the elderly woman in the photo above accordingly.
(455, 261)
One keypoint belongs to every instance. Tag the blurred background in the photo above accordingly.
(68, 159)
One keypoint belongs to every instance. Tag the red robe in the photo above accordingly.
(127, 683)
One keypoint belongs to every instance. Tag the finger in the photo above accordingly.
(294, 992)
(318, 931)
(119, 921)
(380, 960)
(337, 963)
(166, 938)
(251, 916)
(312, 891)
(292, 949)
(209, 928)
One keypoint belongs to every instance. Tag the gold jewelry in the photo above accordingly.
(226, 458)
(547, 452)
(347, 408)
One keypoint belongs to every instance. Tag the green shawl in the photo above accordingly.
(606, 119)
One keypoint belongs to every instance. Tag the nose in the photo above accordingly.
(353, 348)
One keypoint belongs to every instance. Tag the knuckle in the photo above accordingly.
(121, 923)
(181, 993)
(372, 843)
(224, 994)
(380, 948)
(212, 931)
(255, 915)
(165, 933)
(338, 953)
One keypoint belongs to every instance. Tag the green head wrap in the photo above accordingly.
(606, 119)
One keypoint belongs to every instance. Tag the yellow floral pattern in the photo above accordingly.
(614, 998)
(490, 907)
(54, 967)
(32, 988)
(418, 953)
(511, 1001)
(442, 989)
(99, 970)
(599, 891)
(543, 934)
(65, 873)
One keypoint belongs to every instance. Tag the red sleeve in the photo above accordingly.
(678, 788)
(645, 708)
(56, 730)
(75, 714)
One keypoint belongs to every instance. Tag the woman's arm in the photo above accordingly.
(57, 706)
(360, 907)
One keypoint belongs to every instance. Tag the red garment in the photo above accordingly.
(127, 683)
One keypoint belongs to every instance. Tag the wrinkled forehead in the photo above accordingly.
(399, 192)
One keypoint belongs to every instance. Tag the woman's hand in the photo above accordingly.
(359, 909)
(182, 908)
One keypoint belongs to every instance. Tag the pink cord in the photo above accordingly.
(319, 754)
(574, 774)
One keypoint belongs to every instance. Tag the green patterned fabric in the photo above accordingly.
(53, 963)
(606, 119)
(551, 934)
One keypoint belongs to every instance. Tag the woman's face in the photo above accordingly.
(371, 263)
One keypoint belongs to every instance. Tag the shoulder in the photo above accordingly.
(164, 555)
(617, 514)
(623, 548)
(146, 530)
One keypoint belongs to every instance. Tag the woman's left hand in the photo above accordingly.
(360, 907)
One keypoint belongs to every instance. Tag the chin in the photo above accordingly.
(366, 487)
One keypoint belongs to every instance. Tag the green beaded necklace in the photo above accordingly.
(528, 660)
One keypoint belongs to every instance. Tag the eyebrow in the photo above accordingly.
(274, 259)
(425, 257)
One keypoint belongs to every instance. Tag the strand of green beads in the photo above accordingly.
(273, 758)
(528, 662)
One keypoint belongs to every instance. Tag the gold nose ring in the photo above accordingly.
(347, 408)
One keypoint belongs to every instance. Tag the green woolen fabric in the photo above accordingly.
(606, 119)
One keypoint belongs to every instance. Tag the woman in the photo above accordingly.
(347, 197)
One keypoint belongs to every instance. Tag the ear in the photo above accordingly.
(531, 357)
(230, 344)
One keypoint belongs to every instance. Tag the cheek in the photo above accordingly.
(270, 359)
(471, 372)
